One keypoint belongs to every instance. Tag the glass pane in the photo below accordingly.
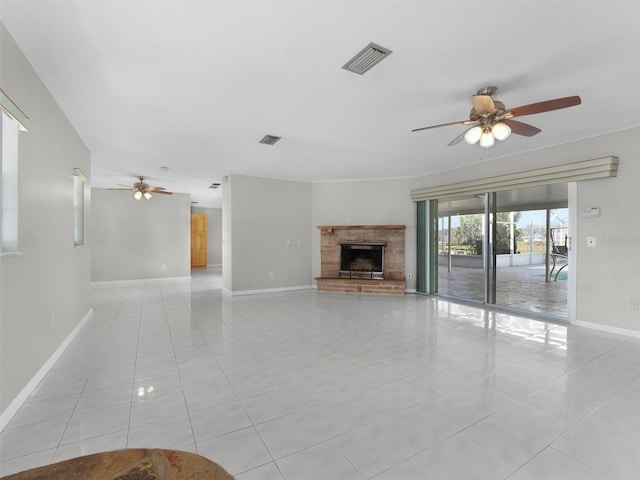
(459, 244)
(522, 233)
(8, 183)
(78, 210)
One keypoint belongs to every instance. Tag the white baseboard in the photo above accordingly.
(17, 402)
(410, 290)
(607, 328)
(124, 283)
(237, 293)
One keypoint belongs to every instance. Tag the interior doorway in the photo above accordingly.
(198, 241)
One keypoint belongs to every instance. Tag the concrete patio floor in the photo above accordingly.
(521, 287)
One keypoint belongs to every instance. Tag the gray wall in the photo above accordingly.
(133, 239)
(44, 292)
(227, 237)
(375, 202)
(214, 233)
(271, 227)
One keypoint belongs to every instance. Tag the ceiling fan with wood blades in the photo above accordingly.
(490, 120)
(142, 189)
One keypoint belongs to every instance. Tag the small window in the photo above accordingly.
(9, 184)
(12, 120)
(79, 179)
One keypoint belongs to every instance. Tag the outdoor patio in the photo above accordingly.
(521, 287)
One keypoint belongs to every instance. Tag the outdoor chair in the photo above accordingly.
(559, 253)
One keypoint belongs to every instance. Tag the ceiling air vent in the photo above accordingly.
(269, 139)
(368, 57)
(214, 185)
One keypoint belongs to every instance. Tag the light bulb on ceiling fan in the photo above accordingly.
(473, 135)
(501, 131)
(137, 195)
(147, 195)
(487, 140)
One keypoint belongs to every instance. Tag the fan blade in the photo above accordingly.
(462, 122)
(520, 128)
(163, 192)
(458, 139)
(157, 188)
(483, 104)
(546, 106)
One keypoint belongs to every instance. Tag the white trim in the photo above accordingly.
(124, 283)
(77, 172)
(226, 291)
(266, 290)
(607, 328)
(410, 290)
(14, 111)
(572, 269)
(17, 402)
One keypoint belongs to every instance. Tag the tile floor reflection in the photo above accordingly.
(303, 386)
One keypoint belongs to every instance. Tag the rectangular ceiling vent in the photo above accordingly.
(214, 185)
(269, 139)
(367, 58)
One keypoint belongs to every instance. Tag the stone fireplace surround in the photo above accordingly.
(331, 236)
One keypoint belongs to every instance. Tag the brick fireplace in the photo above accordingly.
(335, 276)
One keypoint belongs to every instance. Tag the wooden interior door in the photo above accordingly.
(198, 241)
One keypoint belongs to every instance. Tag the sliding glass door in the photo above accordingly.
(498, 248)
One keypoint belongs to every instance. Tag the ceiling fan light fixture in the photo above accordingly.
(487, 140)
(137, 195)
(473, 135)
(147, 195)
(501, 131)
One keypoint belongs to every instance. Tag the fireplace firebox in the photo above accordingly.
(362, 260)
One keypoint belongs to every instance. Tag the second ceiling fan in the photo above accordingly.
(143, 189)
(490, 120)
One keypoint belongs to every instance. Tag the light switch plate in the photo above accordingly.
(591, 242)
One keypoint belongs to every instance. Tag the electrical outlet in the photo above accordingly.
(164, 266)
(270, 274)
(634, 303)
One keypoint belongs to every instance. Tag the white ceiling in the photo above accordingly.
(195, 84)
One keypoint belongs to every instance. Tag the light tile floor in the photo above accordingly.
(307, 385)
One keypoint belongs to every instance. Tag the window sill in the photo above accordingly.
(10, 254)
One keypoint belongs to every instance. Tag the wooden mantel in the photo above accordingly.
(331, 228)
